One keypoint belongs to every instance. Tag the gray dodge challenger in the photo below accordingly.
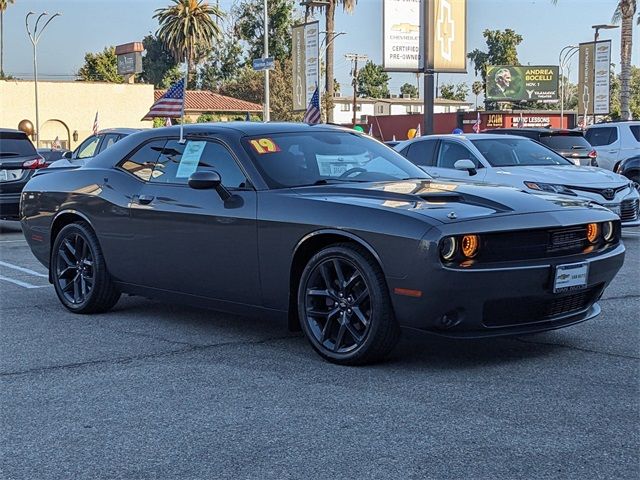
(323, 226)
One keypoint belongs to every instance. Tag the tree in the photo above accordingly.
(476, 88)
(157, 62)
(3, 6)
(187, 29)
(409, 90)
(250, 27)
(281, 87)
(222, 64)
(100, 67)
(624, 13)
(247, 85)
(330, 12)
(502, 49)
(449, 91)
(634, 90)
(373, 81)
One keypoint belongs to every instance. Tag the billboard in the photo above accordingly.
(444, 38)
(518, 83)
(306, 63)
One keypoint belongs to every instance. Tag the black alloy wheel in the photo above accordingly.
(79, 273)
(344, 306)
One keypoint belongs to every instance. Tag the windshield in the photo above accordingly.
(315, 158)
(565, 141)
(514, 152)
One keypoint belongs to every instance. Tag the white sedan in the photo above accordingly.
(522, 163)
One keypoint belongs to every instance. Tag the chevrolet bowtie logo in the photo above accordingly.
(446, 30)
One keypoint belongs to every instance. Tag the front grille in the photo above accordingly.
(606, 193)
(629, 210)
(520, 311)
(574, 239)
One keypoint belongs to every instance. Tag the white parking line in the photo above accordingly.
(22, 269)
(22, 284)
(13, 241)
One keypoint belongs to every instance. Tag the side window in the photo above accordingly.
(451, 152)
(141, 162)
(423, 152)
(178, 161)
(108, 140)
(635, 130)
(598, 137)
(88, 147)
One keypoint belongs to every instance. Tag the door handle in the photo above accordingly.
(145, 199)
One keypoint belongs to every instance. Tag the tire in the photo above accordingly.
(344, 306)
(79, 272)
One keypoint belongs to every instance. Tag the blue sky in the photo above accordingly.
(90, 25)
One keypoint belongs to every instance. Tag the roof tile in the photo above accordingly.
(206, 101)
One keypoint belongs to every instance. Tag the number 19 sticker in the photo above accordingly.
(264, 145)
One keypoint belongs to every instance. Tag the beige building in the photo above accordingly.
(67, 109)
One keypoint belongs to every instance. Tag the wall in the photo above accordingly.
(65, 107)
(342, 117)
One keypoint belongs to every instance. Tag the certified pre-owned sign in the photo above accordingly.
(530, 83)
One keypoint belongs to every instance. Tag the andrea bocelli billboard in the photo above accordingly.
(517, 83)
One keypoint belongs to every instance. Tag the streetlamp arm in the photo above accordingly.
(45, 25)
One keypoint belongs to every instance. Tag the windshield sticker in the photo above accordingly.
(264, 145)
(190, 159)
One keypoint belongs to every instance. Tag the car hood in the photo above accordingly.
(561, 174)
(446, 202)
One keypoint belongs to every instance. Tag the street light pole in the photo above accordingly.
(35, 37)
(571, 50)
(266, 115)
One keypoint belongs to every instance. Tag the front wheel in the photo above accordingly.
(79, 272)
(344, 306)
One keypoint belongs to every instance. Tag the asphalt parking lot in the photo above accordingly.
(159, 391)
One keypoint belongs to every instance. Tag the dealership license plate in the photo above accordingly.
(614, 208)
(570, 277)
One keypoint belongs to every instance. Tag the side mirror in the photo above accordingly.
(467, 165)
(207, 181)
(67, 155)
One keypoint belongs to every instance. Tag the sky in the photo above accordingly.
(90, 25)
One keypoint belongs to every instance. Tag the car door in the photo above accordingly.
(449, 152)
(422, 153)
(191, 241)
(606, 142)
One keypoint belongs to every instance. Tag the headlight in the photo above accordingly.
(549, 187)
(469, 245)
(448, 248)
(608, 232)
(592, 232)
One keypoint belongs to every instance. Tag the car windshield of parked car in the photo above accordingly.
(565, 142)
(315, 158)
(15, 145)
(517, 152)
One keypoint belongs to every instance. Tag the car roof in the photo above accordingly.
(11, 130)
(614, 123)
(534, 129)
(122, 131)
(468, 136)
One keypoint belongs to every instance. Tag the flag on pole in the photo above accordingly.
(520, 121)
(167, 122)
(476, 126)
(394, 137)
(312, 115)
(56, 145)
(95, 124)
(418, 132)
(370, 130)
(170, 104)
(247, 117)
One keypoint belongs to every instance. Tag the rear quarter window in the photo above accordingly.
(598, 137)
(635, 130)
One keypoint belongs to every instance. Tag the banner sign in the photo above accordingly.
(522, 122)
(447, 34)
(306, 63)
(517, 83)
(585, 78)
(401, 37)
(602, 63)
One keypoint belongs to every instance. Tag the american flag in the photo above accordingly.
(476, 126)
(167, 122)
(312, 115)
(520, 121)
(170, 104)
(95, 124)
(418, 132)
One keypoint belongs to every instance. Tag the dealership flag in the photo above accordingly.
(370, 130)
(521, 121)
(167, 122)
(418, 133)
(476, 126)
(56, 144)
(312, 115)
(95, 124)
(169, 104)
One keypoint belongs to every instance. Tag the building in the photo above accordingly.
(67, 109)
(365, 107)
(223, 108)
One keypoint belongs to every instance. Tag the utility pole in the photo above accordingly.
(355, 57)
(266, 114)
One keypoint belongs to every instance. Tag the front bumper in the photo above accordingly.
(503, 299)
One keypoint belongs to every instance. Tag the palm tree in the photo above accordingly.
(187, 29)
(477, 88)
(330, 12)
(3, 6)
(624, 13)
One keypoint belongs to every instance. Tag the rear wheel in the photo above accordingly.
(79, 272)
(344, 306)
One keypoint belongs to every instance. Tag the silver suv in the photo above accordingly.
(614, 142)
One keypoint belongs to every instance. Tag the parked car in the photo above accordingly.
(522, 163)
(571, 144)
(321, 225)
(93, 145)
(18, 161)
(614, 142)
(53, 154)
(630, 168)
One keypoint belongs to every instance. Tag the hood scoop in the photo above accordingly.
(439, 197)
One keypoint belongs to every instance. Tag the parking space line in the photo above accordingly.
(21, 284)
(22, 269)
(12, 241)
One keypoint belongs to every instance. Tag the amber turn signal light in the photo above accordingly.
(592, 232)
(469, 245)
